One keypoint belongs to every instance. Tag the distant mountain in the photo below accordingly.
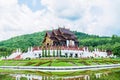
(24, 41)
(36, 39)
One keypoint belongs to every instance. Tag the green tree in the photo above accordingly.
(48, 52)
(116, 51)
(57, 52)
(60, 52)
(45, 52)
(53, 53)
(43, 55)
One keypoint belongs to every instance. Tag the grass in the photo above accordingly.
(113, 74)
(61, 64)
(8, 77)
(72, 73)
(58, 62)
(110, 76)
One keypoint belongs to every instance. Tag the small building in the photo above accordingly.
(60, 37)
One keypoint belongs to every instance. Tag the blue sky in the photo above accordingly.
(98, 17)
(34, 5)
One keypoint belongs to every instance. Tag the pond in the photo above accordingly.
(61, 76)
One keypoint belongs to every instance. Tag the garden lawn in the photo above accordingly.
(59, 62)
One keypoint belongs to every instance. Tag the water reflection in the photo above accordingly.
(38, 77)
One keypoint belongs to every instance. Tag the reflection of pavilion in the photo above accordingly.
(36, 77)
(27, 76)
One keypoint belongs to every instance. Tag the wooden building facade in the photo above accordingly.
(60, 37)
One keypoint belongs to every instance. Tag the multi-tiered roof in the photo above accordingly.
(60, 35)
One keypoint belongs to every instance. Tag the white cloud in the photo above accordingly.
(93, 15)
(90, 16)
(6, 3)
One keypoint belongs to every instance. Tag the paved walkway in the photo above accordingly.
(61, 69)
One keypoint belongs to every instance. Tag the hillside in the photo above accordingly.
(35, 39)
